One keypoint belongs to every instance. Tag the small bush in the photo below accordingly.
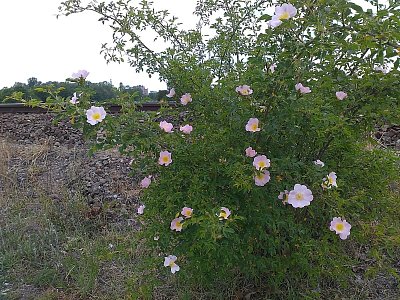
(311, 88)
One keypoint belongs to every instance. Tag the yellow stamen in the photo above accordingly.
(254, 127)
(96, 116)
(178, 225)
(284, 16)
(339, 227)
(299, 196)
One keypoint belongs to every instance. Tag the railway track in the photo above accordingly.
(20, 108)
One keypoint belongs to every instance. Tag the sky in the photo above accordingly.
(34, 43)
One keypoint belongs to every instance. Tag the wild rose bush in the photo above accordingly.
(260, 161)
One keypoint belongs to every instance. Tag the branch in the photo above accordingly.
(357, 64)
(325, 146)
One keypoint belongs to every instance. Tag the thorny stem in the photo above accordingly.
(325, 146)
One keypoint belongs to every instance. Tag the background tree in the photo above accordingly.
(32, 81)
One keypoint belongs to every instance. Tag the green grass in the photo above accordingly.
(62, 248)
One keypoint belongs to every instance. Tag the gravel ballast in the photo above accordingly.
(60, 156)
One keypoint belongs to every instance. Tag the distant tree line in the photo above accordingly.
(102, 90)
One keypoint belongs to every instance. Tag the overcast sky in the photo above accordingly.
(36, 44)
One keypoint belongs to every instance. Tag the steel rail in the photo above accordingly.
(20, 108)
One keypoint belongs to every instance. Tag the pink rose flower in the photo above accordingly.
(176, 224)
(300, 196)
(187, 212)
(341, 95)
(140, 209)
(187, 129)
(341, 227)
(252, 125)
(244, 90)
(145, 182)
(74, 99)
(95, 115)
(319, 163)
(250, 152)
(224, 214)
(169, 261)
(165, 158)
(272, 68)
(167, 127)
(262, 179)
(261, 161)
(80, 74)
(302, 89)
(186, 98)
(282, 12)
(171, 93)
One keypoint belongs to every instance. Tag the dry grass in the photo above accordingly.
(5, 149)
(27, 169)
(56, 248)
